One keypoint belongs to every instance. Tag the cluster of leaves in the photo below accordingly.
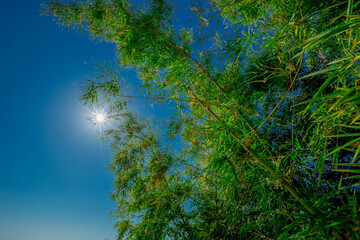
(264, 141)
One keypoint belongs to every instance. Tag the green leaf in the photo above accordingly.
(343, 146)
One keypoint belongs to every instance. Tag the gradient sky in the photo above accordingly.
(54, 182)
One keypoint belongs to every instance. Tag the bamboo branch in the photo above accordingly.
(277, 105)
(267, 166)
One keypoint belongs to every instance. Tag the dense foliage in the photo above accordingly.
(264, 140)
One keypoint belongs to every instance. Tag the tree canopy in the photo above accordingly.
(264, 138)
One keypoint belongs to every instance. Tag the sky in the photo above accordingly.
(54, 182)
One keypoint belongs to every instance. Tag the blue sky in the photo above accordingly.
(54, 182)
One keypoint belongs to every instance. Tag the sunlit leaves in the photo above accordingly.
(266, 122)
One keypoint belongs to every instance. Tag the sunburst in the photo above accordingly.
(99, 117)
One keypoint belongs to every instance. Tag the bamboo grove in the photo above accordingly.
(264, 138)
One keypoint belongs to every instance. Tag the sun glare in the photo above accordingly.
(100, 118)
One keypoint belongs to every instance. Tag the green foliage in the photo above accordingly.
(264, 141)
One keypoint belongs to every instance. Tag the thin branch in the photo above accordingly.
(313, 210)
(267, 118)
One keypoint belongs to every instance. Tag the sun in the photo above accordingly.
(98, 117)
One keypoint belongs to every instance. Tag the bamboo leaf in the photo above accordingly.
(343, 146)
